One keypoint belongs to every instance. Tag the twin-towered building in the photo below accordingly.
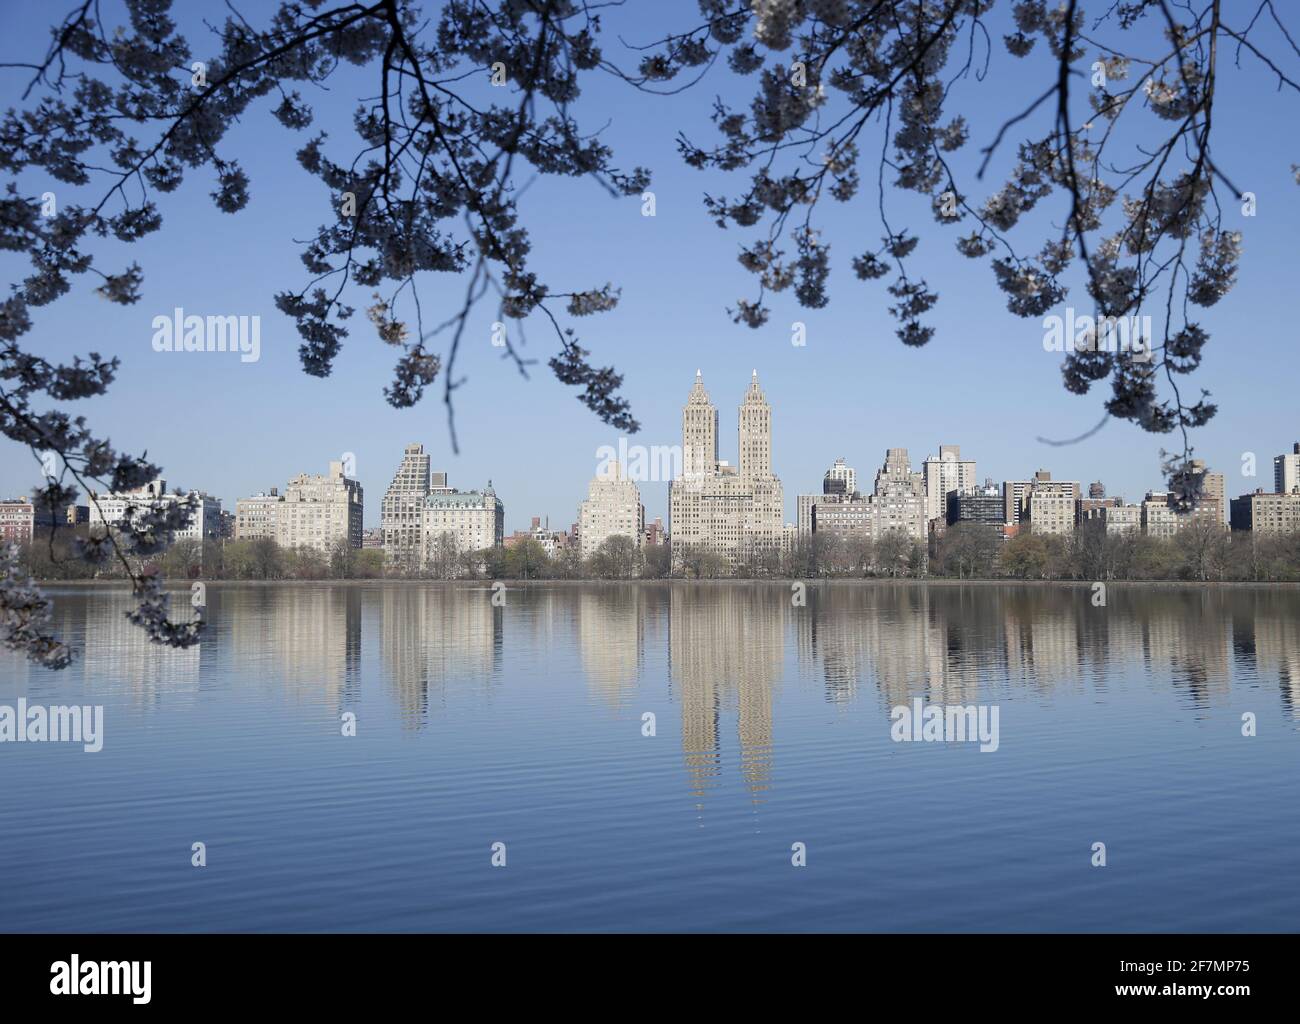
(733, 512)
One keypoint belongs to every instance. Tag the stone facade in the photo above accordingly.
(459, 522)
(319, 511)
(255, 517)
(612, 509)
(402, 510)
(1120, 519)
(1159, 518)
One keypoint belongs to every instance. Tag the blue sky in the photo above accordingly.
(853, 390)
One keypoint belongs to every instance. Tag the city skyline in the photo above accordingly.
(519, 512)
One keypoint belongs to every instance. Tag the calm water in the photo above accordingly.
(522, 724)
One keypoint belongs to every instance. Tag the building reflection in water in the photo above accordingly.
(612, 622)
(305, 639)
(117, 656)
(1266, 640)
(437, 636)
(724, 646)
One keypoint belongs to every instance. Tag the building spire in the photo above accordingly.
(698, 395)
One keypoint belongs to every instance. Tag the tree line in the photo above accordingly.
(1199, 552)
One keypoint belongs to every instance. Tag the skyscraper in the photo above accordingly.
(899, 500)
(896, 477)
(1017, 493)
(402, 510)
(1213, 506)
(699, 433)
(1049, 506)
(755, 420)
(427, 523)
(734, 512)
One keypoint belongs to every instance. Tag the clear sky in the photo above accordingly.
(984, 381)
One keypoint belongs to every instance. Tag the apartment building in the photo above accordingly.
(942, 474)
(731, 511)
(113, 509)
(1267, 513)
(612, 509)
(320, 510)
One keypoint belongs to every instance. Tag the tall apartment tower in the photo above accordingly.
(1286, 471)
(755, 433)
(1048, 506)
(699, 433)
(895, 477)
(736, 512)
(899, 501)
(402, 510)
(944, 473)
